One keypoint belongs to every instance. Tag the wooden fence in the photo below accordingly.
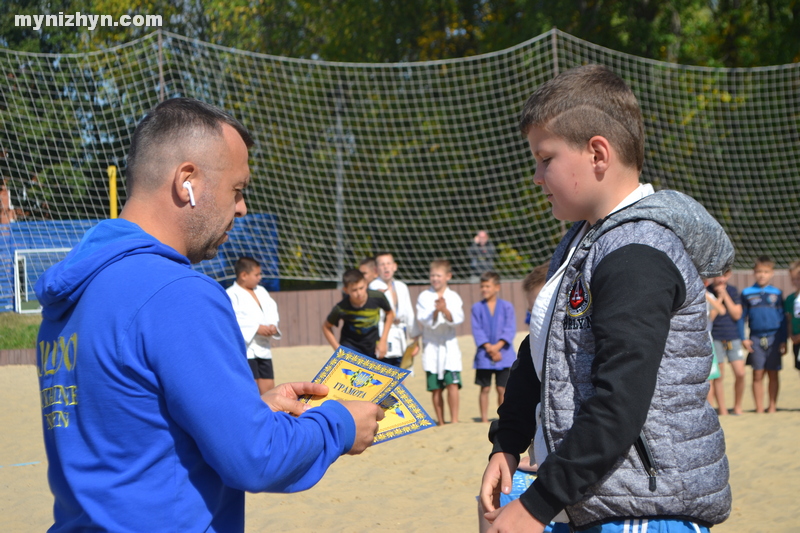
(302, 312)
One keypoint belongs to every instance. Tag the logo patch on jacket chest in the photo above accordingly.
(579, 306)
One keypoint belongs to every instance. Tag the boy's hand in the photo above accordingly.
(441, 305)
(782, 348)
(267, 331)
(381, 348)
(497, 477)
(748, 345)
(283, 398)
(513, 517)
(366, 415)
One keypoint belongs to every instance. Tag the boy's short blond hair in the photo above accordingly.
(586, 101)
(442, 263)
(794, 266)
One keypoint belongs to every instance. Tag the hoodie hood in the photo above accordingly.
(702, 236)
(62, 285)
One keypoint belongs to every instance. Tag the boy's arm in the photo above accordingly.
(455, 310)
(734, 309)
(635, 291)
(327, 327)
(508, 327)
(327, 330)
(383, 345)
(425, 310)
(513, 431)
(781, 336)
(480, 336)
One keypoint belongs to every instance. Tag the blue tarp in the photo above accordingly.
(255, 235)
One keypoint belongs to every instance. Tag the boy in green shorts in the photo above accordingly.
(439, 311)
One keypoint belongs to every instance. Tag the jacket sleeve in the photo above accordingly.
(509, 324)
(635, 291)
(478, 332)
(208, 393)
(248, 323)
(513, 431)
(456, 308)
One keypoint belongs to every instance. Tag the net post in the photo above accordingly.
(112, 191)
(339, 106)
(160, 68)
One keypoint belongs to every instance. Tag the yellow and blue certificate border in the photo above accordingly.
(350, 375)
(403, 415)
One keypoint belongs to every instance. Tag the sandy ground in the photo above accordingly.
(422, 482)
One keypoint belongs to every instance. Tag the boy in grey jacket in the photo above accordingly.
(613, 391)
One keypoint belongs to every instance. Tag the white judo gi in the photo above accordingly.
(404, 325)
(440, 350)
(251, 314)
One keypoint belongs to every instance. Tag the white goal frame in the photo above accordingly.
(22, 284)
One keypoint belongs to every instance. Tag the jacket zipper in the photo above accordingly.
(647, 460)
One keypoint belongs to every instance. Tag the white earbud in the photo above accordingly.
(188, 186)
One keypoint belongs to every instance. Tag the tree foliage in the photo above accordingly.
(730, 33)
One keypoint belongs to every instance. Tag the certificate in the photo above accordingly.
(352, 376)
(404, 415)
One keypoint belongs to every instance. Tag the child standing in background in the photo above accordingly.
(726, 332)
(792, 310)
(360, 314)
(257, 315)
(493, 328)
(439, 311)
(762, 307)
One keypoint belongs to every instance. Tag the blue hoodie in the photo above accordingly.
(152, 420)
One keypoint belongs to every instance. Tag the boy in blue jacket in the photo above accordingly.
(762, 311)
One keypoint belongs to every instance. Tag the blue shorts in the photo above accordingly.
(764, 359)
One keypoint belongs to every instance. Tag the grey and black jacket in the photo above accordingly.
(624, 380)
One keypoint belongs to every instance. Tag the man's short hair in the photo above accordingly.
(172, 121)
(351, 277)
(442, 263)
(586, 101)
(492, 276)
(535, 278)
(245, 265)
(794, 266)
(381, 254)
(764, 260)
(369, 262)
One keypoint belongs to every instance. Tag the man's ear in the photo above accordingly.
(601, 152)
(183, 182)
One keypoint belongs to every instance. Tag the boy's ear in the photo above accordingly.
(600, 149)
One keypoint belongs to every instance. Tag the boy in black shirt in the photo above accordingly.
(360, 310)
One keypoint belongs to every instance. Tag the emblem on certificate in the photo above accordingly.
(350, 375)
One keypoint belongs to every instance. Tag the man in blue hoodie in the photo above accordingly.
(151, 418)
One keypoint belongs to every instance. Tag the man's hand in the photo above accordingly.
(497, 477)
(513, 517)
(283, 398)
(366, 415)
(748, 345)
(782, 348)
